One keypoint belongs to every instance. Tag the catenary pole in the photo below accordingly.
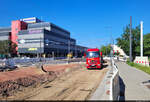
(131, 38)
(141, 39)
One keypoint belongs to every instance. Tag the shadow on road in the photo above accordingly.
(105, 66)
(122, 89)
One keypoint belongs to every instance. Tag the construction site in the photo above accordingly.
(51, 82)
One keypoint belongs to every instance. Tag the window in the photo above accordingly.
(92, 54)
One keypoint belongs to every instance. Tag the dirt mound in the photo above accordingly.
(12, 81)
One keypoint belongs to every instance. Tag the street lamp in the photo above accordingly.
(68, 45)
(75, 50)
(111, 38)
(40, 49)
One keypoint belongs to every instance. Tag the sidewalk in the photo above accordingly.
(131, 82)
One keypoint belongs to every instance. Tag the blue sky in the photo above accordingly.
(91, 22)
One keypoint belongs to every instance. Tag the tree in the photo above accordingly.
(146, 46)
(7, 47)
(105, 49)
(4, 47)
(124, 42)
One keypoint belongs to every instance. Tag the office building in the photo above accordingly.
(34, 37)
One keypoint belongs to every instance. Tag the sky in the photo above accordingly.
(92, 23)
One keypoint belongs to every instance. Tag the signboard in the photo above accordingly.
(31, 20)
(22, 41)
(32, 49)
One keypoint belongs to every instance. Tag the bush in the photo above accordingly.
(128, 60)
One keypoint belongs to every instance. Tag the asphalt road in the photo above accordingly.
(134, 83)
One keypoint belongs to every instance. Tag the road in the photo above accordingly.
(131, 83)
(75, 85)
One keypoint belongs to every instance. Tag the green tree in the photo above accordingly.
(105, 49)
(124, 42)
(146, 45)
(7, 47)
(4, 47)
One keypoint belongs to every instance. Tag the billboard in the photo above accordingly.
(31, 20)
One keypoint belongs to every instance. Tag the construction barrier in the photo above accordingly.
(142, 60)
(112, 88)
(109, 88)
(114, 83)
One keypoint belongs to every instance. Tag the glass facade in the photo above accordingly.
(42, 37)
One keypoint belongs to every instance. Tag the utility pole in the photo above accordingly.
(75, 50)
(40, 48)
(141, 38)
(106, 48)
(130, 38)
(111, 40)
(40, 40)
(68, 45)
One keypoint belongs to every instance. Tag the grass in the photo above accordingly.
(140, 67)
(149, 59)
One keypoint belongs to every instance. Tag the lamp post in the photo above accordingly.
(40, 49)
(76, 50)
(68, 45)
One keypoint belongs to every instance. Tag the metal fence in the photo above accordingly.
(25, 62)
